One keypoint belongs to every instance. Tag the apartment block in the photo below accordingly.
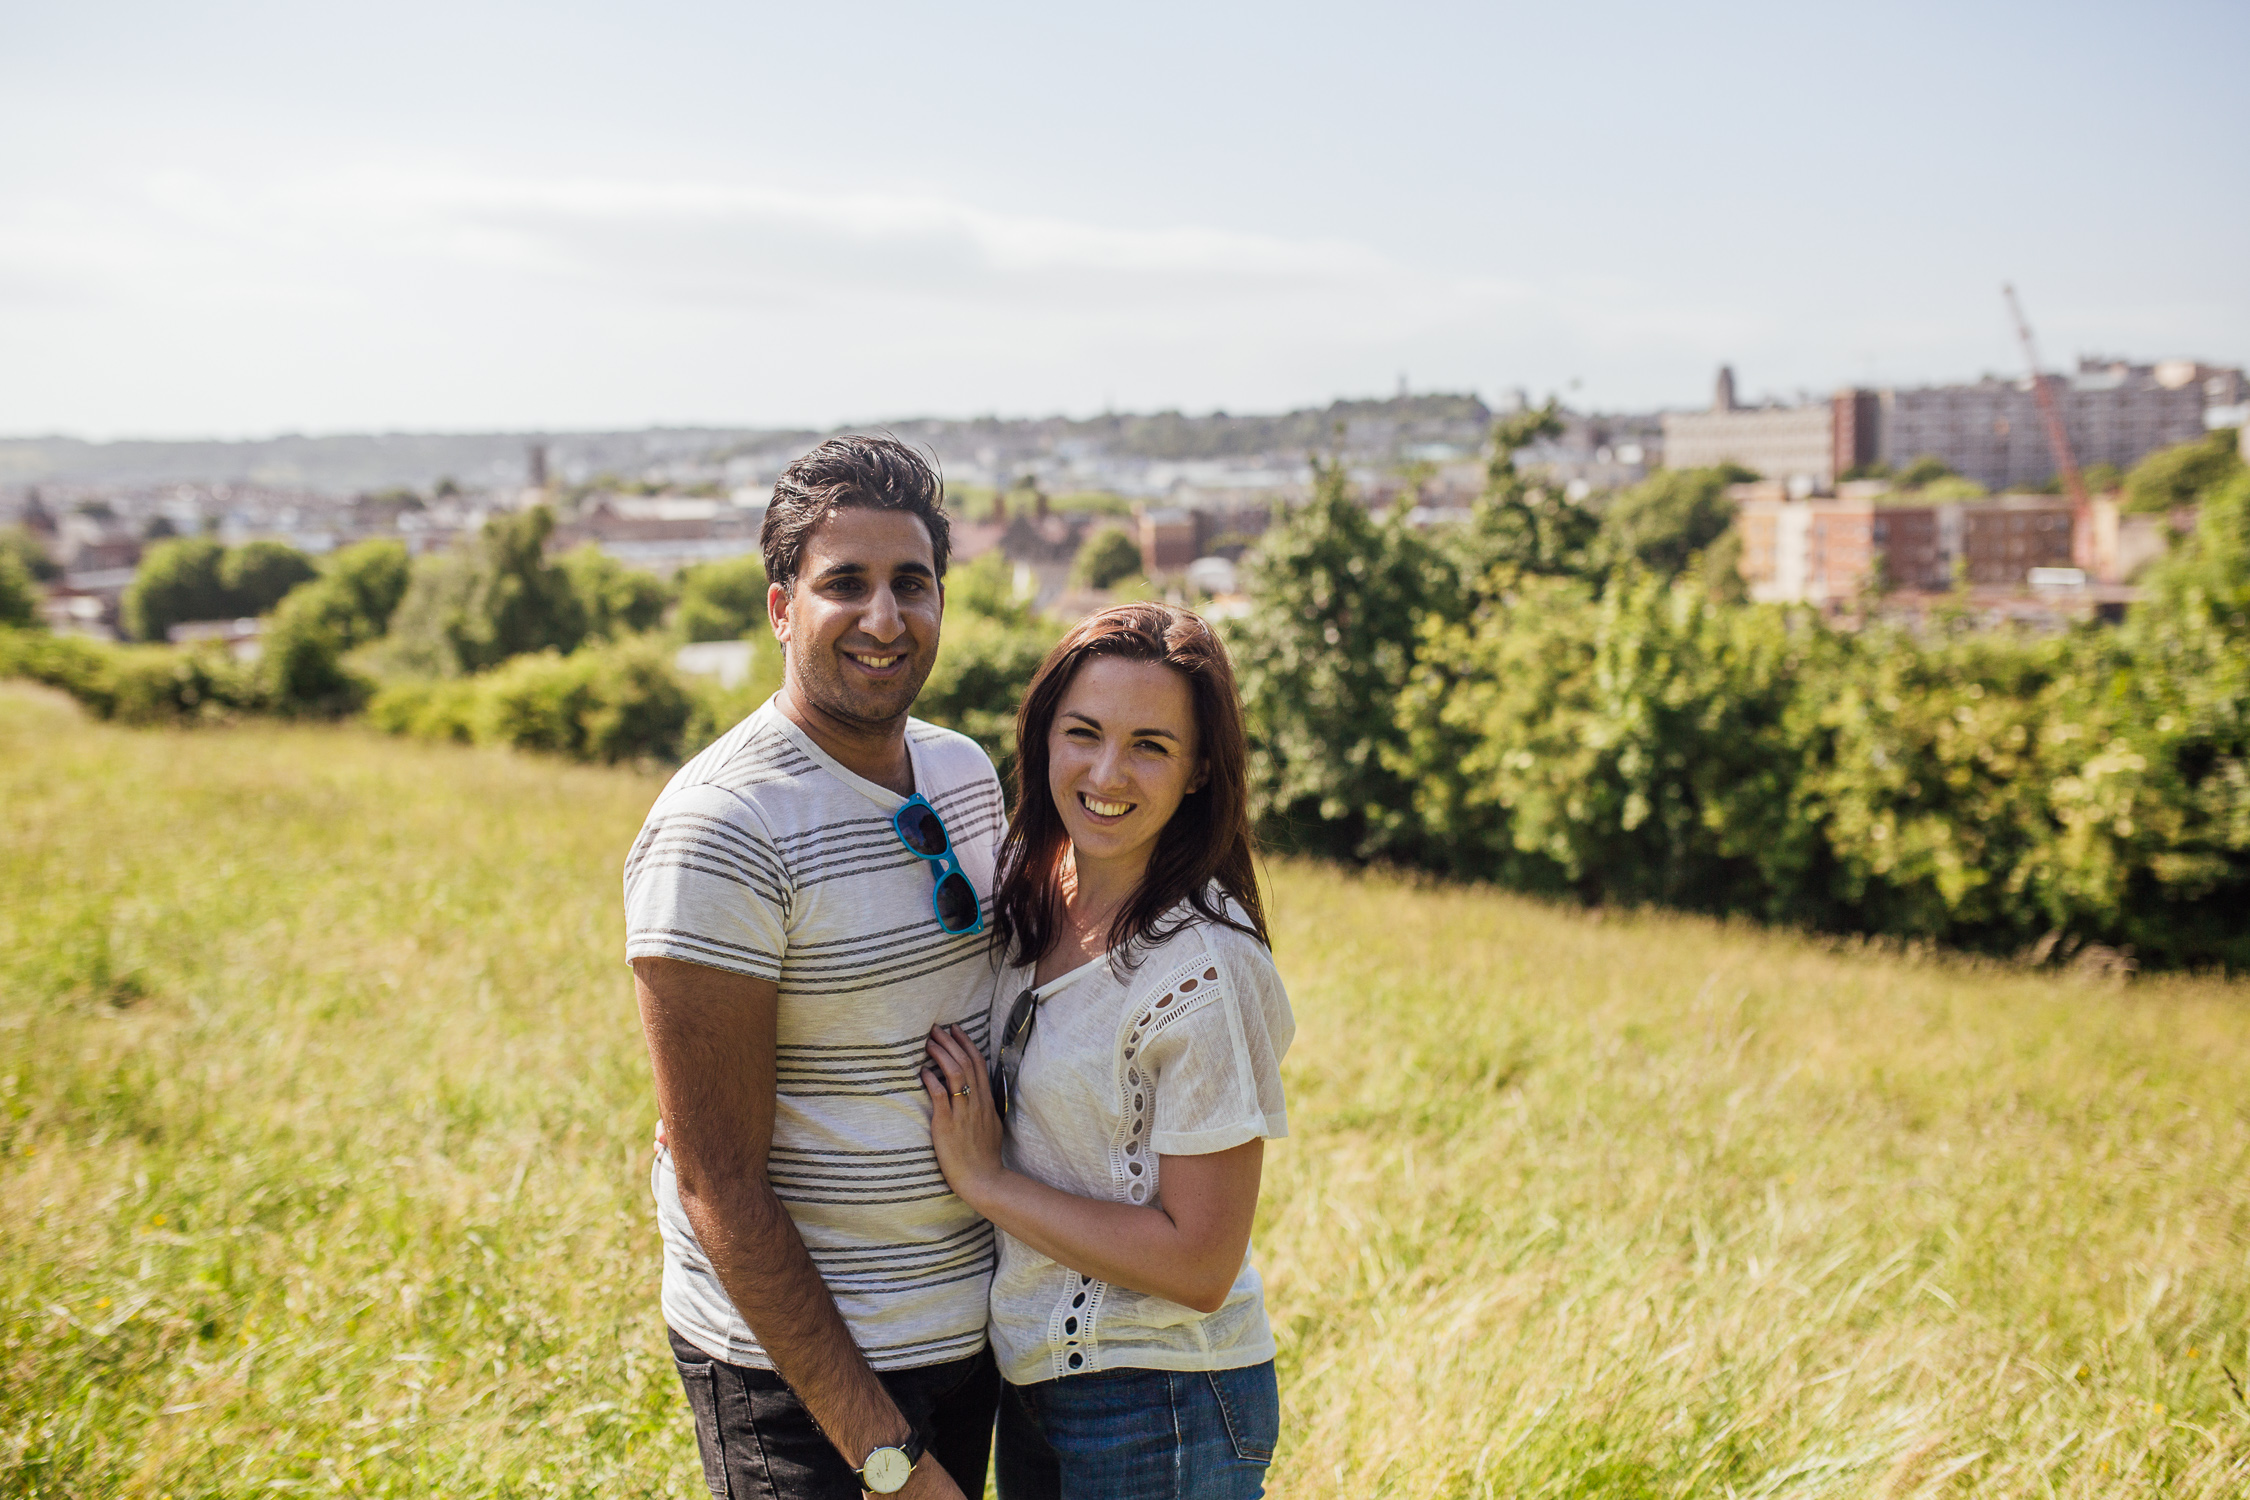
(2115, 412)
(1828, 551)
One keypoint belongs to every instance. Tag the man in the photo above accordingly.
(796, 924)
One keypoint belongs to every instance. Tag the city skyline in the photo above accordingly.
(240, 221)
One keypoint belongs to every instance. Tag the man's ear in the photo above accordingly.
(777, 611)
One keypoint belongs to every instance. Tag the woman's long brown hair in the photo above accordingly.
(1208, 839)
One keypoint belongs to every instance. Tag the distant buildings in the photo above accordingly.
(1834, 550)
(1795, 445)
(2115, 412)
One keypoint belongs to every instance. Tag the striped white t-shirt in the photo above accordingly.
(766, 857)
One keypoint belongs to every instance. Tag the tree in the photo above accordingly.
(492, 597)
(1108, 557)
(1661, 524)
(722, 601)
(178, 581)
(19, 596)
(2183, 475)
(259, 575)
(30, 554)
(1522, 524)
(1926, 470)
(361, 586)
(1322, 656)
(618, 600)
(2206, 579)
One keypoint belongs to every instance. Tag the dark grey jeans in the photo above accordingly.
(759, 1443)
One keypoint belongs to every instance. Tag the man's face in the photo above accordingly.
(861, 626)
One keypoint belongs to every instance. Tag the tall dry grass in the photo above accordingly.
(323, 1149)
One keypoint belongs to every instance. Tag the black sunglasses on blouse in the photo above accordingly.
(1014, 1038)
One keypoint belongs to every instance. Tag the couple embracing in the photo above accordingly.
(960, 1115)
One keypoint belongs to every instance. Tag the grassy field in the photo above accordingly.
(324, 1142)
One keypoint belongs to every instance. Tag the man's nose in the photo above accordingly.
(882, 619)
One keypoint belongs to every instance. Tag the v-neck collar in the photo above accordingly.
(875, 792)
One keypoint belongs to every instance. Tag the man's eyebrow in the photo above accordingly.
(839, 570)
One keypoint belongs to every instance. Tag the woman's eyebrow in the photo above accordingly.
(1072, 713)
(1160, 733)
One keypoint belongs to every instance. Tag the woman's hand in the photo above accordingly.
(964, 1127)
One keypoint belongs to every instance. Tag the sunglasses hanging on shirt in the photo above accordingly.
(922, 831)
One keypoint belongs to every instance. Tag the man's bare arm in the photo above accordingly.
(711, 1040)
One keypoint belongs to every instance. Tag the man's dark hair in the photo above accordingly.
(876, 473)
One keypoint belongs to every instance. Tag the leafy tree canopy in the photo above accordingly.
(178, 581)
(2183, 475)
(1109, 557)
(1924, 471)
(724, 600)
(618, 600)
(259, 575)
(19, 596)
(494, 596)
(30, 554)
(1661, 524)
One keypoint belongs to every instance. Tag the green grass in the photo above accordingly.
(324, 1142)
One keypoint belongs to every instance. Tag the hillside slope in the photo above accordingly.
(324, 1143)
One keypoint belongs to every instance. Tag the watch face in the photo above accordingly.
(887, 1471)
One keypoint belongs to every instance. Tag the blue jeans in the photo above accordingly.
(1139, 1435)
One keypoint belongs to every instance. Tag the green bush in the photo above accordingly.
(178, 581)
(618, 601)
(19, 595)
(259, 575)
(722, 601)
(1108, 557)
(195, 578)
(602, 703)
(145, 685)
(492, 597)
(984, 664)
(427, 708)
(2184, 474)
(357, 592)
(1510, 702)
(30, 553)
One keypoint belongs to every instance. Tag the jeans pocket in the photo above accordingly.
(700, 1381)
(1250, 1401)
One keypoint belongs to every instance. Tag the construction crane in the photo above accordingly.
(2058, 439)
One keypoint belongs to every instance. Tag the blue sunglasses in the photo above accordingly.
(923, 833)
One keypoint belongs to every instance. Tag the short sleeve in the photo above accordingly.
(705, 885)
(1218, 1066)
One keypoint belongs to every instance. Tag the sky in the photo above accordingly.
(246, 219)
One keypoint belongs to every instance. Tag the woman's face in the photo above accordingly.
(1121, 753)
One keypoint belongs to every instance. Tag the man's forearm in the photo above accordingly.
(762, 1262)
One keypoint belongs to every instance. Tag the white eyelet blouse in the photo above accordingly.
(1179, 1057)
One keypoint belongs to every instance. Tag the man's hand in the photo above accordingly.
(930, 1482)
(711, 1039)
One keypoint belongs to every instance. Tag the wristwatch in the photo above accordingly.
(887, 1469)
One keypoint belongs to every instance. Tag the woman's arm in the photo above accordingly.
(1189, 1251)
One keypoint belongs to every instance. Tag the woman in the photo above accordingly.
(1116, 1140)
